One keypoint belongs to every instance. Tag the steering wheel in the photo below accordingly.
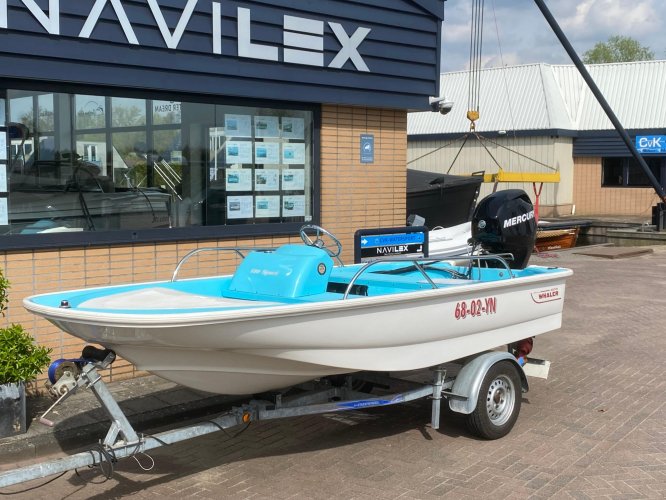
(318, 242)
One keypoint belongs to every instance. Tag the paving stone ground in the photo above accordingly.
(595, 429)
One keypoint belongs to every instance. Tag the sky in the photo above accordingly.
(515, 31)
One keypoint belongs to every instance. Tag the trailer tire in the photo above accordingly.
(498, 403)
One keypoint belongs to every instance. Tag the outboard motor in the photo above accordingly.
(503, 222)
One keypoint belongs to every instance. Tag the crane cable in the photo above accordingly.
(476, 43)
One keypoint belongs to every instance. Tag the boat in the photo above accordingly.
(79, 199)
(442, 200)
(445, 203)
(558, 235)
(550, 235)
(290, 315)
(450, 241)
(556, 239)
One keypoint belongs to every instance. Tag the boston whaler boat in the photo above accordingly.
(290, 315)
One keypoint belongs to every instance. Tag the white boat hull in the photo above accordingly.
(244, 351)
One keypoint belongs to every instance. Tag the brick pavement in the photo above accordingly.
(594, 429)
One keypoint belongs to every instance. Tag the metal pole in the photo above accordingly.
(600, 98)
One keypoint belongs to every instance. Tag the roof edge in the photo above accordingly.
(434, 7)
(518, 133)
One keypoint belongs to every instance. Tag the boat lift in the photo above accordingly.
(487, 389)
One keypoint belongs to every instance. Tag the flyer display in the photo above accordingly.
(238, 179)
(3, 178)
(267, 153)
(266, 179)
(293, 179)
(293, 153)
(267, 206)
(239, 207)
(238, 125)
(3, 145)
(267, 126)
(265, 162)
(238, 152)
(4, 213)
(293, 206)
(293, 128)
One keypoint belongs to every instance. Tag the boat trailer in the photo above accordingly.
(487, 389)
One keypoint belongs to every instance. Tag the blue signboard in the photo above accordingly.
(373, 244)
(651, 143)
(392, 239)
(367, 148)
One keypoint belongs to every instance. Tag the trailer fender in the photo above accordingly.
(470, 377)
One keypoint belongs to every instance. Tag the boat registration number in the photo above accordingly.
(476, 307)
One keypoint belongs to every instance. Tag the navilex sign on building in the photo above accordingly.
(304, 49)
(303, 38)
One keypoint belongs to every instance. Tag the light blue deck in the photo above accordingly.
(292, 274)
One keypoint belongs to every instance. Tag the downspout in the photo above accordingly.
(600, 98)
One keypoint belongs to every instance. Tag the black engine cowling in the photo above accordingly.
(504, 222)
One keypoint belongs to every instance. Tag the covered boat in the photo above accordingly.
(290, 315)
(441, 199)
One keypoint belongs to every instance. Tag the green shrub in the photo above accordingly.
(20, 358)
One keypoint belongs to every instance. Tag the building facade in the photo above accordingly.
(136, 131)
(540, 119)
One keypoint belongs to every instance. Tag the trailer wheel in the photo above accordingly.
(498, 404)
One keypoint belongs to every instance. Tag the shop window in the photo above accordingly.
(127, 112)
(103, 163)
(627, 172)
(90, 111)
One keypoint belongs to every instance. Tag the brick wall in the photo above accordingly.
(359, 195)
(593, 200)
(354, 196)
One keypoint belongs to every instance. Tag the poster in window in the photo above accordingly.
(267, 206)
(239, 207)
(266, 126)
(4, 215)
(266, 179)
(293, 153)
(267, 152)
(239, 151)
(238, 125)
(165, 112)
(293, 206)
(293, 128)
(293, 179)
(238, 179)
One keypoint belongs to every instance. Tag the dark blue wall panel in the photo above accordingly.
(607, 143)
(401, 50)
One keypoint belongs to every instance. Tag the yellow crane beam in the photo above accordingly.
(506, 176)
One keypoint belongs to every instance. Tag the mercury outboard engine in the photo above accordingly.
(504, 222)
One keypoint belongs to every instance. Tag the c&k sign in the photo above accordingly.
(651, 143)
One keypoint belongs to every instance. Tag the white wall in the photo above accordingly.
(541, 154)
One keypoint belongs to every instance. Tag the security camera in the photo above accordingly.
(441, 104)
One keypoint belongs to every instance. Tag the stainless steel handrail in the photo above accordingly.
(238, 250)
(421, 263)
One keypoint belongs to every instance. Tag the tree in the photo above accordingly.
(617, 49)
